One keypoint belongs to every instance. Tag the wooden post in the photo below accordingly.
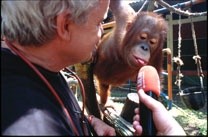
(132, 101)
(169, 69)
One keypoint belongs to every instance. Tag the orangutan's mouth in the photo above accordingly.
(140, 61)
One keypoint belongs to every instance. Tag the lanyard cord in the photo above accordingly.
(83, 95)
(47, 83)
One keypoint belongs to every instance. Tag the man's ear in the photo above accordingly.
(63, 22)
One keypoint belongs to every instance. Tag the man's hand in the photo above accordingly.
(100, 127)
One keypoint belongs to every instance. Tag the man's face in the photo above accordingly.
(85, 36)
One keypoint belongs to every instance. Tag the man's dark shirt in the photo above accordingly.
(27, 105)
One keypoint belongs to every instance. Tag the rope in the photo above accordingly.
(178, 10)
(142, 7)
(177, 59)
(179, 37)
(197, 57)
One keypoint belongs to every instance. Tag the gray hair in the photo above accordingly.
(32, 22)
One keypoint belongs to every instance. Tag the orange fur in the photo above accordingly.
(140, 37)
